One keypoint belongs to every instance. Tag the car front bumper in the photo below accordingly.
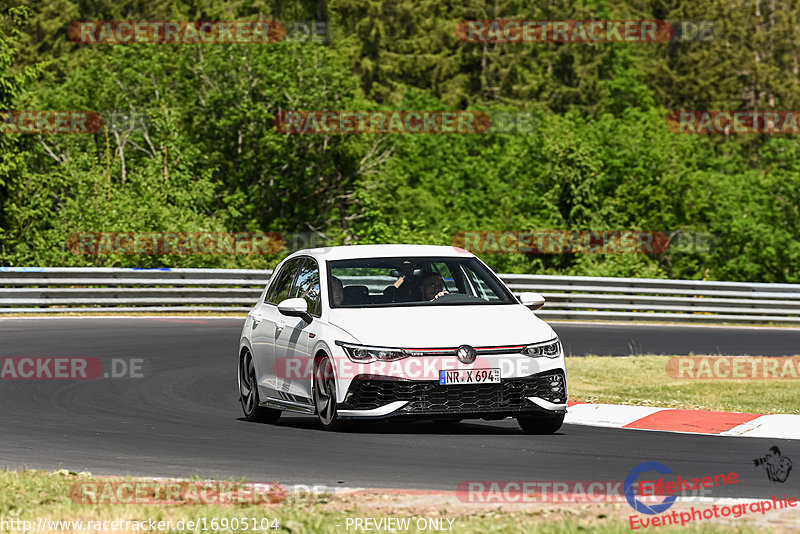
(381, 397)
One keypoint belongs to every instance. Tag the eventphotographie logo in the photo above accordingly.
(633, 497)
(775, 464)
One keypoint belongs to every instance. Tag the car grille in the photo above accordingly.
(428, 397)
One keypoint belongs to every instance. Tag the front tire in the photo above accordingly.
(248, 393)
(541, 424)
(325, 395)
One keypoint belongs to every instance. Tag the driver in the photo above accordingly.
(432, 287)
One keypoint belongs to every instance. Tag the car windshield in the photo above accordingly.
(424, 281)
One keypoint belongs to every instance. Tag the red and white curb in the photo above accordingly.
(751, 425)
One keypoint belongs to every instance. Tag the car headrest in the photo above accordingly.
(355, 295)
(409, 291)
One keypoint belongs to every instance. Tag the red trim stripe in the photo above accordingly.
(476, 348)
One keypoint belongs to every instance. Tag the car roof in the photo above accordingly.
(381, 251)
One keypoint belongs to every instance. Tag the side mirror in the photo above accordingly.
(295, 308)
(534, 301)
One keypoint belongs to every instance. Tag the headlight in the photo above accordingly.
(364, 354)
(548, 349)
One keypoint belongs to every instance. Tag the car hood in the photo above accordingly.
(442, 326)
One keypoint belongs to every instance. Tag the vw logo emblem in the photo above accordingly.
(466, 354)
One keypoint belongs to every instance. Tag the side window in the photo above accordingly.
(479, 286)
(280, 289)
(307, 286)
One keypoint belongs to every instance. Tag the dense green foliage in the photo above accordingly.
(192, 146)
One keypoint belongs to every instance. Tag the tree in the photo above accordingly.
(13, 148)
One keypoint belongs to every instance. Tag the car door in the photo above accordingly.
(296, 339)
(266, 319)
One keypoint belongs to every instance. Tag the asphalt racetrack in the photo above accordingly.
(182, 417)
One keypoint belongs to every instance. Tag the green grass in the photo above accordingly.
(29, 495)
(643, 381)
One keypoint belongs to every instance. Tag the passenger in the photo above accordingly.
(432, 287)
(338, 291)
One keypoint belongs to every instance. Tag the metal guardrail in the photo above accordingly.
(71, 289)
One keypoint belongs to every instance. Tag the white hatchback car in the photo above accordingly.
(398, 331)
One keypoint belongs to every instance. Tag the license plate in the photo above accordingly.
(469, 376)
